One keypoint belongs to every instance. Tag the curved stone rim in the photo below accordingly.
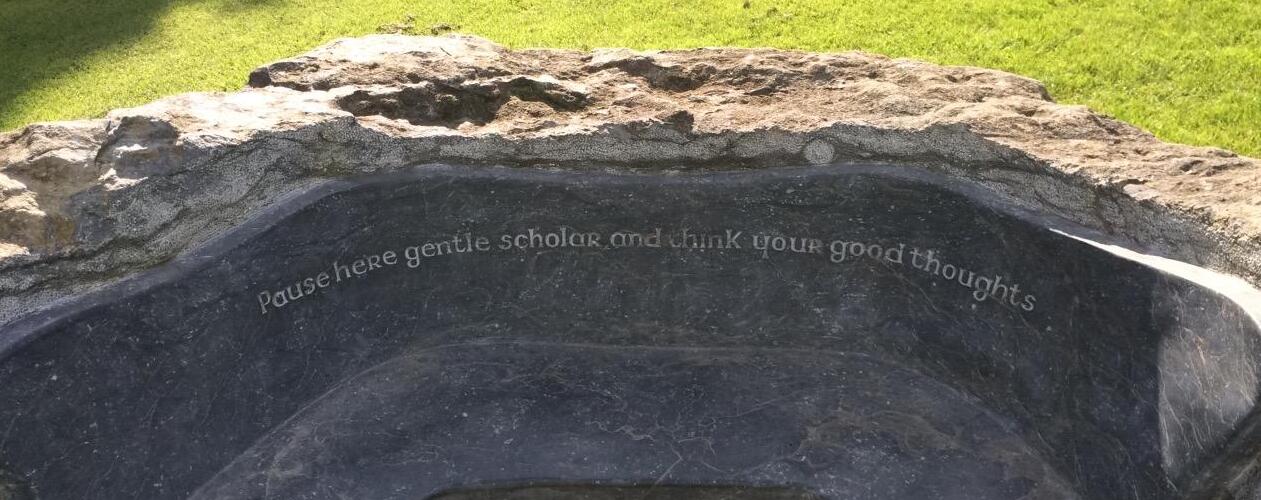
(188, 261)
(86, 203)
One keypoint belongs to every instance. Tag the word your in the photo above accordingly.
(929, 261)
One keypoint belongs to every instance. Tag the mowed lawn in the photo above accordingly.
(1187, 70)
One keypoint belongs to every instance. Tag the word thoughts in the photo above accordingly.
(928, 261)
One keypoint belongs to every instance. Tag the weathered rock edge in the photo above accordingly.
(85, 203)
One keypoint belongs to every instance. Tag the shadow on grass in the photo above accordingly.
(43, 40)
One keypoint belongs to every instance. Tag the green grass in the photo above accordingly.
(1187, 70)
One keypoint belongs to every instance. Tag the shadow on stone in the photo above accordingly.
(41, 42)
(450, 105)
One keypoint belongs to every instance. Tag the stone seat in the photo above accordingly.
(928, 340)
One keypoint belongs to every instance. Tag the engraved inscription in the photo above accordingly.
(981, 286)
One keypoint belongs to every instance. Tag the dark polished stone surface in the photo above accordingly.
(644, 492)
(447, 348)
(501, 413)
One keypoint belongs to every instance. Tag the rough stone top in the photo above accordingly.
(85, 202)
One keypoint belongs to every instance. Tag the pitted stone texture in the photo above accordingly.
(83, 203)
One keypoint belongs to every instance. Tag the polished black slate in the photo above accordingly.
(1110, 387)
(500, 413)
